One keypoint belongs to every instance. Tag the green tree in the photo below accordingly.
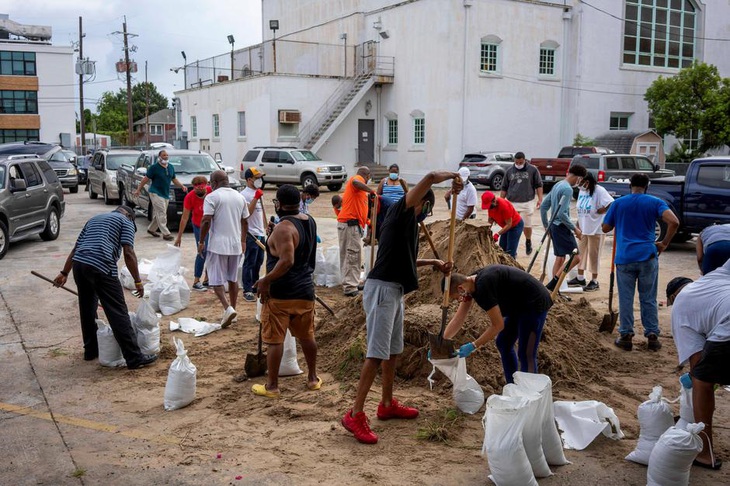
(87, 121)
(583, 141)
(113, 106)
(698, 99)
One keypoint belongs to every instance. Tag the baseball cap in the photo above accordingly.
(675, 284)
(487, 199)
(464, 173)
(253, 172)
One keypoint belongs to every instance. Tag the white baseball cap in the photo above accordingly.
(464, 173)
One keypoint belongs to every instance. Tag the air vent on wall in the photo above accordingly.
(287, 116)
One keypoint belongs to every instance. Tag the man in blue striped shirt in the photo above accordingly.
(94, 262)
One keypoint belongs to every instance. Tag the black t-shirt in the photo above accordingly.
(398, 248)
(297, 283)
(514, 290)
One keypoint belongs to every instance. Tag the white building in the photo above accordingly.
(422, 82)
(36, 86)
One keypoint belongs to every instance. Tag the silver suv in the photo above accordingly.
(290, 165)
(488, 168)
(31, 200)
(102, 177)
(613, 167)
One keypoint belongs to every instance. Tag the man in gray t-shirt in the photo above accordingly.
(521, 186)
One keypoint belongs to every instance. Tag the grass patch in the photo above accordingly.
(442, 429)
(56, 352)
(354, 356)
(79, 472)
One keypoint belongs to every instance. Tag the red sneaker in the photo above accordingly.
(396, 410)
(359, 425)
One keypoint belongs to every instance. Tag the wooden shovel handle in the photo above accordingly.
(373, 224)
(450, 252)
(423, 226)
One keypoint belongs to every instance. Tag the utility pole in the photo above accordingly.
(147, 104)
(82, 124)
(130, 121)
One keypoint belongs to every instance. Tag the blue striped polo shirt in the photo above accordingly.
(100, 242)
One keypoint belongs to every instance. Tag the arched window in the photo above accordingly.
(490, 58)
(391, 123)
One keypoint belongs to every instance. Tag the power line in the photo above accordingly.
(571, 88)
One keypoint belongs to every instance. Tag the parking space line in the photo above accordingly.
(88, 424)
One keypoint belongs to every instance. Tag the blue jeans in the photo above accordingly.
(528, 328)
(510, 239)
(646, 274)
(199, 260)
(252, 261)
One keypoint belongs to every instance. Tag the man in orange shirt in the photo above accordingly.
(351, 223)
(502, 212)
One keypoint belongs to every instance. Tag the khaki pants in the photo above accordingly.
(350, 238)
(159, 214)
(589, 248)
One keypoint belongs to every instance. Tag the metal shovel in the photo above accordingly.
(609, 320)
(255, 364)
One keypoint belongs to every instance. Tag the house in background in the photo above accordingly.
(94, 140)
(162, 128)
(647, 143)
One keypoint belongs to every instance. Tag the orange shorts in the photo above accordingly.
(278, 315)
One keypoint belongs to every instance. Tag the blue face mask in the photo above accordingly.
(393, 176)
(308, 201)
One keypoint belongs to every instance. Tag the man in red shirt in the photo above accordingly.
(351, 224)
(502, 212)
(193, 205)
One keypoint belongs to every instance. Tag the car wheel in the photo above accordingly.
(74, 189)
(682, 237)
(107, 201)
(53, 226)
(92, 194)
(309, 180)
(334, 187)
(496, 182)
(4, 240)
(660, 230)
(123, 198)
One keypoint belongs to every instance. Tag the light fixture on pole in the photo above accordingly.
(274, 26)
(231, 41)
(343, 36)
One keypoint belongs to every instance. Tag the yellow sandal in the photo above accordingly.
(316, 386)
(263, 392)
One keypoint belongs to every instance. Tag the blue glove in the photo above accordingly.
(319, 240)
(466, 349)
(429, 355)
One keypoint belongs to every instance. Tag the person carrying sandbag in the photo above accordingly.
(517, 305)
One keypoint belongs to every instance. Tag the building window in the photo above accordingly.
(619, 121)
(216, 126)
(489, 59)
(419, 127)
(241, 123)
(155, 129)
(659, 33)
(547, 65)
(13, 63)
(692, 140)
(19, 102)
(194, 127)
(393, 131)
(19, 136)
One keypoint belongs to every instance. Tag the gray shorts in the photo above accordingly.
(222, 268)
(383, 304)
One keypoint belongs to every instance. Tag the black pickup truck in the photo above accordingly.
(699, 199)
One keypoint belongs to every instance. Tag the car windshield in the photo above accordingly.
(587, 162)
(304, 156)
(113, 162)
(18, 149)
(193, 164)
(2, 177)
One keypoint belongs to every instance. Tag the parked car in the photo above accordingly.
(71, 156)
(65, 171)
(699, 199)
(31, 200)
(103, 172)
(290, 165)
(187, 164)
(488, 168)
(613, 167)
(553, 170)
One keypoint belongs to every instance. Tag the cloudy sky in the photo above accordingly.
(164, 28)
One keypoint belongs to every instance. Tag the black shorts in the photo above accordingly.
(563, 240)
(714, 365)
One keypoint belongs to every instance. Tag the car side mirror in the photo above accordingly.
(17, 185)
(142, 171)
(229, 170)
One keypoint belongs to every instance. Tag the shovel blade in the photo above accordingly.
(441, 348)
(609, 323)
(255, 365)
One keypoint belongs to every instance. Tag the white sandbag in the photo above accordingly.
(153, 290)
(181, 379)
(504, 421)
(581, 422)
(146, 325)
(332, 260)
(532, 432)
(110, 354)
(143, 266)
(320, 269)
(552, 446)
(289, 365)
(671, 459)
(170, 300)
(193, 326)
(172, 294)
(655, 417)
(166, 263)
(468, 395)
(686, 408)
(125, 277)
(183, 288)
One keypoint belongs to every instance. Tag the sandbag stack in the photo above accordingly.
(468, 395)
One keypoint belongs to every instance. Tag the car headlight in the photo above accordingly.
(72, 172)
(322, 170)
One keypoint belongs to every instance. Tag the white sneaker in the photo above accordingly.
(228, 316)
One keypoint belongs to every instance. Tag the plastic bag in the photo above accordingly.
(504, 421)
(144, 265)
(181, 379)
(110, 354)
(671, 459)
(655, 417)
(125, 277)
(195, 327)
(289, 365)
(167, 263)
(468, 395)
(532, 432)
(332, 260)
(581, 422)
(552, 446)
(320, 269)
(146, 325)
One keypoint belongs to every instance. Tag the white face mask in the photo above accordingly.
(519, 166)
(257, 183)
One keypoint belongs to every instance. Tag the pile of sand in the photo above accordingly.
(570, 351)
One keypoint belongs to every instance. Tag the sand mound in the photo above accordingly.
(570, 351)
